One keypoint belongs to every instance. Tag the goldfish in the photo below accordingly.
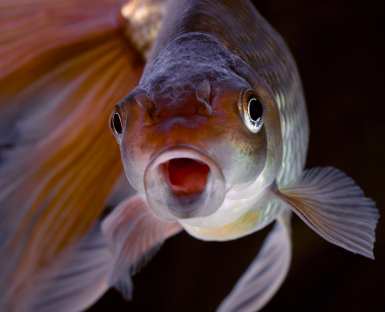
(213, 136)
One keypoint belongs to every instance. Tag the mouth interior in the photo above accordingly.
(187, 176)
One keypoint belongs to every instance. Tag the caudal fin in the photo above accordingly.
(62, 69)
(72, 281)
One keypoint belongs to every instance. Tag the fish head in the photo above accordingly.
(191, 135)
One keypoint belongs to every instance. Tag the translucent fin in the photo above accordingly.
(335, 207)
(134, 235)
(55, 180)
(36, 34)
(63, 66)
(265, 274)
(73, 281)
(120, 192)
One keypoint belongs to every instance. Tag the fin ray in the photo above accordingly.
(335, 207)
(265, 274)
(134, 235)
(73, 281)
(57, 175)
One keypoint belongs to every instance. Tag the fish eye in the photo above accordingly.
(255, 110)
(116, 123)
(252, 111)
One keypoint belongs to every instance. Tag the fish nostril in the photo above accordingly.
(203, 97)
(186, 176)
(153, 114)
(148, 104)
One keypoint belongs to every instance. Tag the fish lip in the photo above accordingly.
(168, 207)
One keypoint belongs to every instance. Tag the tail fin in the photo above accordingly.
(36, 34)
(63, 67)
(72, 282)
(107, 255)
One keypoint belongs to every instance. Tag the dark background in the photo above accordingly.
(338, 49)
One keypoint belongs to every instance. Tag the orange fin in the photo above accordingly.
(36, 35)
(335, 207)
(134, 235)
(58, 159)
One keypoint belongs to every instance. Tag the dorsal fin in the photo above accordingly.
(143, 20)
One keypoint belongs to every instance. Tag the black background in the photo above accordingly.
(338, 49)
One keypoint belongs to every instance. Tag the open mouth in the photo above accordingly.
(183, 182)
(186, 176)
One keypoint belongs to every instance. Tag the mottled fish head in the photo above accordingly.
(197, 130)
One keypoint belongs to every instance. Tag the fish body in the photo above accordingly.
(213, 136)
(267, 54)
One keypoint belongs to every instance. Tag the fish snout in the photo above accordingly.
(183, 182)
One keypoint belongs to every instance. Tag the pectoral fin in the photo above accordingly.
(335, 207)
(265, 274)
(83, 271)
(134, 235)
